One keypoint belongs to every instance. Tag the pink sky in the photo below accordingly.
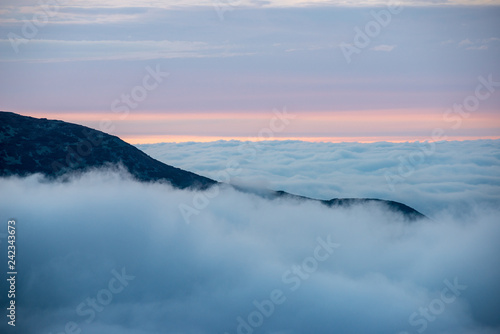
(187, 75)
(376, 125)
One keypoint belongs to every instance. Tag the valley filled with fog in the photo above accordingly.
(430, 177)
(103, 253)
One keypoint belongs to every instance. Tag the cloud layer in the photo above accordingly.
(105, 254)
(430, 177)
(83, 5)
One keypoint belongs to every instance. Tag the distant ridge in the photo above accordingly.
(56, 149)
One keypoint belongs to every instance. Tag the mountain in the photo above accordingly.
(56, 149)
(31, 145)
(409, 212)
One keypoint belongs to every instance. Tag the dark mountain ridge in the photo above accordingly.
(56, 149)
(31, 145)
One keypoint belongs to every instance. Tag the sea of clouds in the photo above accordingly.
(103, 253)
(430, 177)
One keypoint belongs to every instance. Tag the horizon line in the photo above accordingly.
(178, 139)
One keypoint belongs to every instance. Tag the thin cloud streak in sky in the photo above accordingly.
(98, 50)
(107, 4)
(383, 47)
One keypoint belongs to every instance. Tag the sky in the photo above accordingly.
(180, 71)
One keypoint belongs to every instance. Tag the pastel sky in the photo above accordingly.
(234, 64)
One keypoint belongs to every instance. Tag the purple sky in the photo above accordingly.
(360, 72)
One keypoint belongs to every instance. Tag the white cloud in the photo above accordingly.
(465, 42)
(478, 44)
(42, 50)
(200, 278)
(452, 177)
(491, 39)
(278, 3)
(84, 11)
(383, 47)
(481, 47)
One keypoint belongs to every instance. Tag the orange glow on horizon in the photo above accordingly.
(364, 126)
(184, 139)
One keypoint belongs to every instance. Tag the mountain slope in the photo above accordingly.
(407, 211)
(30, 145)
(55, 148)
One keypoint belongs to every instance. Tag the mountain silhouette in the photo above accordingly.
(55, 148)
